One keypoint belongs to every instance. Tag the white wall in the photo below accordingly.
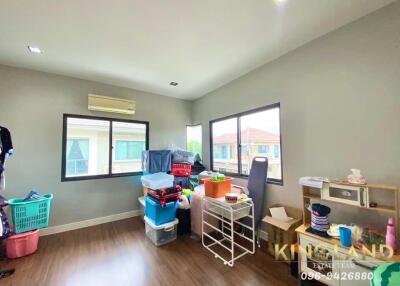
(32, 105)
(340, 105)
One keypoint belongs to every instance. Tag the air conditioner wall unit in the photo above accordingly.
(111, 104)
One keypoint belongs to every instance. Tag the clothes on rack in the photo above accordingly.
(5, 230)
(6, 150)
(155, 161)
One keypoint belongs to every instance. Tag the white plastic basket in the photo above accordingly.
(238, 210)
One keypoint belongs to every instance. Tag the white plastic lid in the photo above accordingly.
(161, 226)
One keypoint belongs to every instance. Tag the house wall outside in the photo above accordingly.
(340, 107)
(229, 164)
(99, 151)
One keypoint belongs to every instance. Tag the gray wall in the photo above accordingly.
(31, 106)
(340, 104)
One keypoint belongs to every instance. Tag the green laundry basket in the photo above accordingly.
(30, 215)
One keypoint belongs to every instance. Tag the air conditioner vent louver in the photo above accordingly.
(111, 104)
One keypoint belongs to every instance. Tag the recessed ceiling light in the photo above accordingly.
(279, 2)
(173, 83)
(34, 49)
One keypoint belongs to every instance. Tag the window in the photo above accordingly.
(129, 142)
(97, 147)
(128, 150)
(194, 139)
(263, 149)
(224, 145)
(222, 151)
(237, 139)
(77, 156)
(276, 152)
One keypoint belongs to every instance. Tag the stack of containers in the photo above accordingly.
(28, 217)
(182, 162)
(160, 207)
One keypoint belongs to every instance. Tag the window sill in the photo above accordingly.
(95, 177)
(245, 177)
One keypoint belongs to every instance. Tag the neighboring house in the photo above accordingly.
(255, 142)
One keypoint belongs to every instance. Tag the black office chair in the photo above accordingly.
(256, 188)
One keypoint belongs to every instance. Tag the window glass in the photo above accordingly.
(263, 149)
(87, 147)
(259, 135)
(276, 151)
(91, 151)
(194, 139)
(77, 157)
(224, 138)
(129, 150)
(129, 141)
(260, 131)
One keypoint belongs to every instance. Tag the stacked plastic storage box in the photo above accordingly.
(160, 210)
(182, 162)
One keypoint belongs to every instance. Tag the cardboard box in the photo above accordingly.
(282, 233)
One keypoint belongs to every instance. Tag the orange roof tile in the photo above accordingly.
(254, 134)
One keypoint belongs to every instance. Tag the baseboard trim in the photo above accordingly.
(90, 222)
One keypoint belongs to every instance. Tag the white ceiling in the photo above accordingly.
(201, 44)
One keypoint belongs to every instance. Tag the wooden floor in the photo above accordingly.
(118, 253)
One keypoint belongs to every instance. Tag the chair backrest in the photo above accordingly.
(256, 186)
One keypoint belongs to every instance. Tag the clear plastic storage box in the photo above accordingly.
(161, 234)
(158, 181)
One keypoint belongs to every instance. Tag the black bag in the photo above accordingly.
(184, 225)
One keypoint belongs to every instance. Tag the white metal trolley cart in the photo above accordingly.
(228, 215)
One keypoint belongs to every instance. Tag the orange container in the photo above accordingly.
(217, 189)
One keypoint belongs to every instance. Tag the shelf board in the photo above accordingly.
(370, 186)
(385, 209)
(310, 196)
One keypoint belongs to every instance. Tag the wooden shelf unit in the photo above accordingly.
(313, 193)
(334, 241)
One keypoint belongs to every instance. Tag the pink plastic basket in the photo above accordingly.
(23, 244)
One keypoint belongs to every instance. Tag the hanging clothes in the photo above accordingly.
(6, 147)
(6, 150)
(5, 230)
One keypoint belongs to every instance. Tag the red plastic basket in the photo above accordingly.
(181, 170)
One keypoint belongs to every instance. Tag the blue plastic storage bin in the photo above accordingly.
(158, 214)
